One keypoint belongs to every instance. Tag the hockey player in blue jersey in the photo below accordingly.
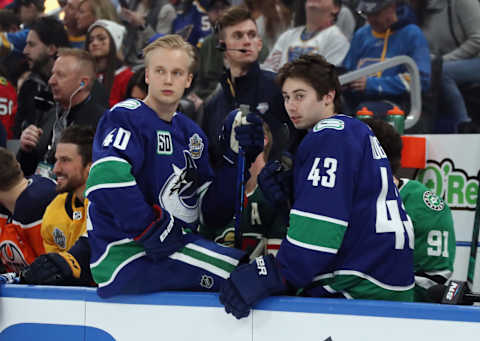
(150, 182)
(349, 235)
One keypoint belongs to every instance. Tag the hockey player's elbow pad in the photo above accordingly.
(162, 237)
(52, 269)
(250, 283)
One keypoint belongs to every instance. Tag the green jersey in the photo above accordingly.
(262, 228)
(435, 243)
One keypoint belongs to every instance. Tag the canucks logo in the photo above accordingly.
(206, 282)
(433, 201)
(329, 123)
(59, 238)
(179, 194)
(196, 146)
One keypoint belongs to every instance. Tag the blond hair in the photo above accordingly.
(173, 42)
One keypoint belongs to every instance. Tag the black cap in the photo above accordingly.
(372, 6)
(209, 4)
(15, 5)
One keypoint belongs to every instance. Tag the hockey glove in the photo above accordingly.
(241, 131)
(162, 237)
(250, 283)
(276, 181)
(52, 269)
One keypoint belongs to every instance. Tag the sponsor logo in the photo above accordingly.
(196, 146)
(457, 188)
(262, 268)
(452, 290)
(206, 282)
(329, 123)
(164, 143)
(59, 238)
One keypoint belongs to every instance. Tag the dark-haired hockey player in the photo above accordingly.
(349, 235)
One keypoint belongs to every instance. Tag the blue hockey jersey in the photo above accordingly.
(349, 234)
(194, 24)
(139, 161)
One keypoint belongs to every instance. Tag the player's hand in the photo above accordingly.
(359, 84)
(162, 237)
(30, 137)
(248, 284)
(52, 269)
(276, 181)
(242, 131)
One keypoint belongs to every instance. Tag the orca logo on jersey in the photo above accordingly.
(329, 123)
(164, 143)
(12, 256)
(180, 193)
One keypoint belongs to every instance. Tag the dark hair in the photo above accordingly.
(233, 16)
(137, 79)
(51, 31)
(113, 61)
(10, 170)
(82, 136)
(316, 71)
(389, 139)
(8, 18)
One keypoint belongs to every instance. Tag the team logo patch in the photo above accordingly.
(196, 146)
(131, 104)
(77, 215)
(206, 282)
(164, 143)
(12, 255)
(59, 238)
(263, 107)
(433, 201)
(329, 123)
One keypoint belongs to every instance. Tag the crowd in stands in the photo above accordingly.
(94, 68)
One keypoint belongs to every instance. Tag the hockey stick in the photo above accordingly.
(244, 109)
(474, 246)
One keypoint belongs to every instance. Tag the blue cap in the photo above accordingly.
(373, 6)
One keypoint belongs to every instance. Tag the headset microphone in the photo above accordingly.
(221, 46)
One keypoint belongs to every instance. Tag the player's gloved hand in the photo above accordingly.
(241, 131)
(276, 180)
(250, 283)
(52, 269)
(162, 237)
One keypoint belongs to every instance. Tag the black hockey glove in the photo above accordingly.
(248, 284)
(162, 237)
(276, 181)
(52, 269)
(245, 131)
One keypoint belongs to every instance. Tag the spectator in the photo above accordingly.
(90, 11)
(320, 35)
(8, 105)
(137, 88)
(272, 19)
(262, 228)
(192, 23)
(65, 218)
(3, 135)
(9, 21)
(104, 42)
(244, 82)
(73, 75)
(458, 46)
(339, 243)
(28, 10)
(45, 37)
(145, 18)
(159, 159)
(22, 204)
(76, 36)
(389, 33)
(435, 244)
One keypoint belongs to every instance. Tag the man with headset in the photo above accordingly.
(73, 75)
(244, 82)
